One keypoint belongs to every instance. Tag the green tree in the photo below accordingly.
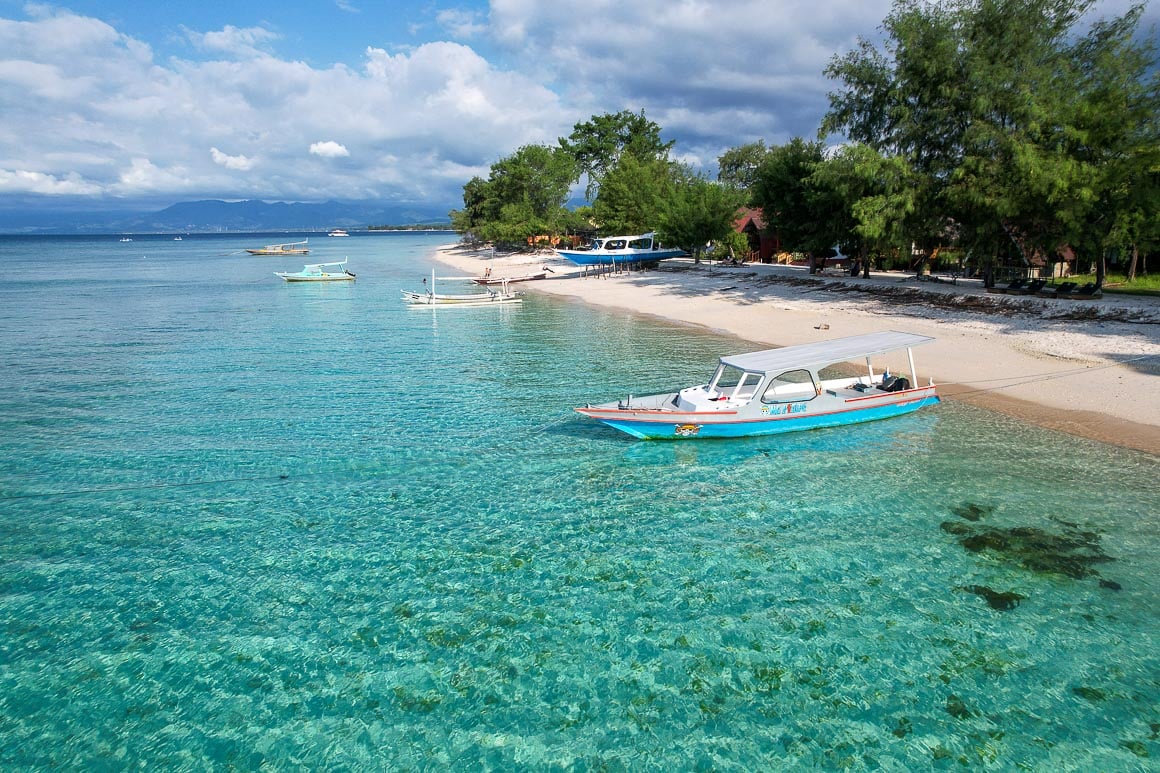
(1116, 139)
(738, 166)
(698, 211)
(795, 206)
(598, 145)
(523, 196)
(1013, 124)
(633, 195)
(867, 192)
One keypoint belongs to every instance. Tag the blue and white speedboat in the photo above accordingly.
(780, 390)
(620, 249)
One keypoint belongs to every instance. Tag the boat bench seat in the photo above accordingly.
(850, 392)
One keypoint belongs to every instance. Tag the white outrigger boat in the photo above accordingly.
(318, 272)
(620, 249)
(778, 390)
(289, 248)
(431, 298)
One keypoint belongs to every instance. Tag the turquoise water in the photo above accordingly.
(248, 524)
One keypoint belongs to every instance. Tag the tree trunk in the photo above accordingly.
(865, 252)
(989, 270)
(1132, 263)
(810, 262)
(1101, 269)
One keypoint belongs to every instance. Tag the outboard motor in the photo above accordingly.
(897, 384)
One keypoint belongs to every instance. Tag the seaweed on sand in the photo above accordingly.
(1072, 553)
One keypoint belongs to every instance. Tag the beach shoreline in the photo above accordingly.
(1084, 368)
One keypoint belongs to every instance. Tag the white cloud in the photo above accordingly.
(461, 24)
(235, 42)
(329, 149)
(691, 64)
(90, 110)
(21, 181)
(241, 163)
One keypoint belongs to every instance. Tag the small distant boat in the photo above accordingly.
(176, 238)
(778, 390)
(126, 239)
(620, 249)
(488, 279)
(318, 272)
(431, 298)
(337, 232)
(289, 248)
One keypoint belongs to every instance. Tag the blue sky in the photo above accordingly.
(128, 102)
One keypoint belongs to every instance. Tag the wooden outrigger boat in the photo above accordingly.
(318, 272)
(778, 390)
(431, 298)
(289, 248)
(488, 279)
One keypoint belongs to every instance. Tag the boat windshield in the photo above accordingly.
(734, 382)
(791, 386)
(643, 243)
(726, 377)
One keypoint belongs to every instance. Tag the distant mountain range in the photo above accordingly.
(213, 215)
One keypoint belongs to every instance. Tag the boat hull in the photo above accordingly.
(487, 280)
(603, 258)
(328, 278)
(767, 420)
(479, 299)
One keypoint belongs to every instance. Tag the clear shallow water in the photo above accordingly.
(245, 523)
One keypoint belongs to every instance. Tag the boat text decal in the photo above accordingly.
(778, 410)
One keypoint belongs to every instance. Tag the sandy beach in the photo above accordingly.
(1088, 368)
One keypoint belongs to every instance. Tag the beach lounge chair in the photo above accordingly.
(1012, 287)
(1062, 291)
(1088, 291)
(1032, 288)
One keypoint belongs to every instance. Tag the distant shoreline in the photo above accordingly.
(1088, 370)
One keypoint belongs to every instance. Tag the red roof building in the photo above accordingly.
(762, 245)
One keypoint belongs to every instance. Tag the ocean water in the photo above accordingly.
(252, 525)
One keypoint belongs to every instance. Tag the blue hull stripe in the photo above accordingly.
(652, 429)
(583, 258)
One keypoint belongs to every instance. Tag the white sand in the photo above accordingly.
(1095, 377)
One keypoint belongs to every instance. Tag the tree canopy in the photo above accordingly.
(627, 163)
(599, 144)
(1005, 128)
(1006, 118)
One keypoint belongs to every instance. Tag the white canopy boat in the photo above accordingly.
(431, 298)
(337, 232)
(779, 390)
(318, 272)
(289, 248)
(620, 249)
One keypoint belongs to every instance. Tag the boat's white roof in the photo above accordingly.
(822, 353)
(321, 265)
